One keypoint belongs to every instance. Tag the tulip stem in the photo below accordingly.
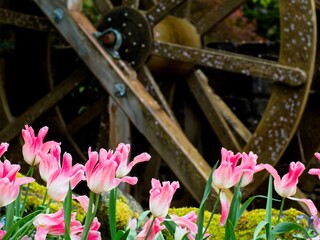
(212, 212)
(90, 215)
(149, 230)
(9, 216)
(112, 212)
(281, 209)
(29, 173)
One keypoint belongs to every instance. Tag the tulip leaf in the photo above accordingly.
(170, 225)
(201, 210)
(142, 216)
(122, 235)
(22, 222)
(285, 227)
(258, 229)
(67, 208)
(229, 232)
(269, 207)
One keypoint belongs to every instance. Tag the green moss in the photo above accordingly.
(247, 223)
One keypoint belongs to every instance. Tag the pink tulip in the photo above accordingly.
(54, 224)
(2, 232)
(94, 234)
(3, 148)
(315, 171)
(50, 162)
(249, 167)
(161, 197)
(122, 159)
(9, 183)
(186, 222)
(33, 145)
(225, 207)
(101, 171)
(156, 228)
(287, 185)
(227, 174)
(41, 233)
(58, 182)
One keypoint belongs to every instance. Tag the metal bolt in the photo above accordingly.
(119, 89)
(58, 15)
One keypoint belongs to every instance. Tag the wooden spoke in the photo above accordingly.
(5, 115)
(131, 3)
(233, 121)
(103, 6)
(160, 10)
(11, 130)
(145, 76)
(215, 15)
(184, 10)
(223, 60)
(203, 93)
(25, 20)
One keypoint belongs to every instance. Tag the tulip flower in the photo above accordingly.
(152, 228)
(58, 182)
(34, 144)
(3, 148)
(9, 183)
(249, 167)
(315, 171)
(101, 171)
(287, 185)
(122, 159)
(186, 222)
(227, 174)
(161, 197)
(50, 162)
(54, 224)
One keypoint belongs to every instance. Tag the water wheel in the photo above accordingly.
(134, 48)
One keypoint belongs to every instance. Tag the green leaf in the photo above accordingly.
(142, 216)
(19, 224)
(67, 208)
(170, 225)
(122, 235)
(201, 210)
(229, 232)
(269, 206)
(285, 227)
(258, 229)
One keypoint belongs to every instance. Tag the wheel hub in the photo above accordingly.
(134, 31)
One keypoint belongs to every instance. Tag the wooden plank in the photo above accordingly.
(224, 110)
(25, 20)
(203, 94)
(143, 111)
(5, 113)
(232, 62)
(119, 125)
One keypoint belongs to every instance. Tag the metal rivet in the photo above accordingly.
(119, 90)
(58, 15)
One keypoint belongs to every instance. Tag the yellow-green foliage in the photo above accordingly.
(247, 223)
(124, 214)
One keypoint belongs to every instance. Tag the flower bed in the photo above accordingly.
(55, 214)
